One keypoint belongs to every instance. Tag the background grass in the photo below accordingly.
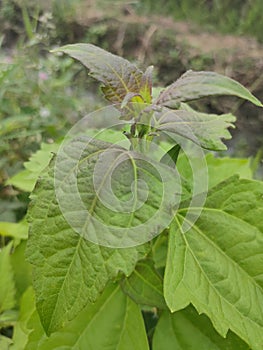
(242, 17)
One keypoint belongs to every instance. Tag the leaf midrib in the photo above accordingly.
(97, 313)
(204, 274)
(213, 243)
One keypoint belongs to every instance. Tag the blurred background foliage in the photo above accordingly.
(43, 95)
(241, 17)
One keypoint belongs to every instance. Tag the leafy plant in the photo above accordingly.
(132, 221)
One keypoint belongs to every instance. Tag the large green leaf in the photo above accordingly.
(69, 270)
(217, 264)
(113, 322)
(219, 169)
(7, 290)
(186, 330)
(120, 77)
(121, 198)
(193, 85)
(145, 285)
(206, 130)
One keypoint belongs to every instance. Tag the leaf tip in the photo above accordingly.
(57, 49)
(60, 49)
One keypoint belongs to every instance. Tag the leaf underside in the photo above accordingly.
(205, 130)
(194, 85)
(118, 75)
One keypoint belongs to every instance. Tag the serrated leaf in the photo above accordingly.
(14, 229)
(39, 160)
(69, 271)
(205, 130)
(217, 264)
(113, 322)
(26, 179)
(7, 290)
(193, 85)
(118, 75)
(114, 183)
(145, 285)
(186, 330)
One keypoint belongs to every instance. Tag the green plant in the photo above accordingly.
(238, 17)
(38, 104)
(131, 222)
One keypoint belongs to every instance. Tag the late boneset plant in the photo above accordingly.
(138, 237)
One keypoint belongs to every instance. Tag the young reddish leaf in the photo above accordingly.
(118, 75)
(146, 85)
(193, 85)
